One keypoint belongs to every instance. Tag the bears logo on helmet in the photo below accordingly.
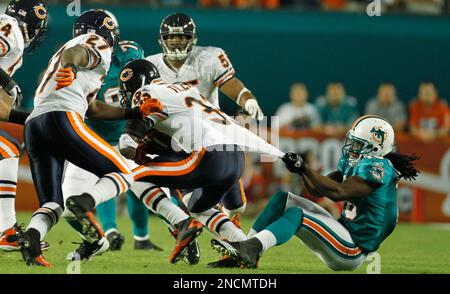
(126, 74)
(32, 18)
(41, 12)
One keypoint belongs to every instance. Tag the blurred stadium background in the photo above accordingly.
(316, 63)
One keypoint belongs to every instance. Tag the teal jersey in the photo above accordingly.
(109, 93)
(371, 219)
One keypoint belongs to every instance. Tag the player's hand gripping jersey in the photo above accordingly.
(206, 68)
(371, 219)
(77, 96)
(11, 44)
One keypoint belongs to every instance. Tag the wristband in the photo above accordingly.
(244, 90)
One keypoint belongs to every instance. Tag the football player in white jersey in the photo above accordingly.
(209, 69)
(205, 158)
(55, 132)
(22, 28)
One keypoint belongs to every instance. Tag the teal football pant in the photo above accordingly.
(287, 215)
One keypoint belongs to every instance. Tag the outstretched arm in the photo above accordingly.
(327, 186)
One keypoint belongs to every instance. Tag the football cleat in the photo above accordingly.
(246, 253)
(115, 240)
(191, 255)
(30, 247)
(6, 242)
(188, 230)
(87, 251)
(146, 245)
(225, 262)
(80, 206)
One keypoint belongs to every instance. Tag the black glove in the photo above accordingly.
(294, 162)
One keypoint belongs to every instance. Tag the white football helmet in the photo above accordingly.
(370, 135)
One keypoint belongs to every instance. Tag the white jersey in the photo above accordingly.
(207, 68)
(83, 90)
(194, 123)
(11, 44)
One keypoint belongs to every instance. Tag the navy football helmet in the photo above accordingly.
(133, 76)
(32, 17)
(100, 22)
(182, 25)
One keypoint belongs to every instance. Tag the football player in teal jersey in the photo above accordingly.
(366, 179)
(76, 178)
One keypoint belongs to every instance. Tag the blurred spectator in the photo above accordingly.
(298, 114)
(429, 115)
(386, 105)
(337, 110)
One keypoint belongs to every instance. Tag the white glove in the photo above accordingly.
(127, 146)
(252, 108)
(16, 95)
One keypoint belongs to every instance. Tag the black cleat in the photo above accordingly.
(80, 206)
(246, 253)
(146, 245)
(187, 231)
(225, 262)
(87, 251)
(30, 246)
(115, 240)
(191, 255)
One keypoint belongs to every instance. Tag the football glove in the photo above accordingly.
(150, 106)
(294, 162)
(252, 108)
(65, 76)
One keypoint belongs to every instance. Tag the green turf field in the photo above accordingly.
(410, 249)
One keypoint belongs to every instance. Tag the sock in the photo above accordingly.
(45, 218)
(106, 212)
(139, 215)
(140, 238)
(110, 186)
(157, 201)
(220, 225)
(8, 183)
(282, 230)
(267, 239)
(251, 233)
(273, 211)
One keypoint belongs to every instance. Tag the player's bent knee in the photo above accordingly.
(294, 215)
(279, 200)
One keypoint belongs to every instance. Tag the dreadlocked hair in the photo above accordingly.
(404, 165)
